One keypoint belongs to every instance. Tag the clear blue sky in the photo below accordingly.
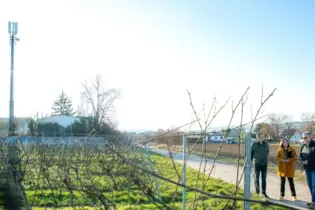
(154, 50)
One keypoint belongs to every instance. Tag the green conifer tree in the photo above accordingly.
(63, 106)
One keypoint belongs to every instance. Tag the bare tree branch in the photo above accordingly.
(100, 100)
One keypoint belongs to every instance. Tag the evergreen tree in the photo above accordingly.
(63, 106)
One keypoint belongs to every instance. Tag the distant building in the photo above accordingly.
(235, 133)
(22, 126)
(62, 120)
(60, 125)
(214, 136)
(296, 137)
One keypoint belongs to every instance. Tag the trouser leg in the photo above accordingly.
(308, 179)
(292, 187)
(257, 174)
(282, 186)
(312, 176)
(263, 179)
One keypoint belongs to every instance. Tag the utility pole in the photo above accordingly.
(248, 147)
(14, 197)
(12, 30)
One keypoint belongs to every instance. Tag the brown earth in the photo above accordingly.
(231, 149)
(228, 150)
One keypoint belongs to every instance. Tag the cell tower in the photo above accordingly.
(12, 30)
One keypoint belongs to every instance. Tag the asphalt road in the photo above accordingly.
(227, 172)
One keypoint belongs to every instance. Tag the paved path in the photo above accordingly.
(227, 172)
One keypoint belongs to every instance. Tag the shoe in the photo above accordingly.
(281, 198)
(311, 206)
(265, 196)
(294, 198)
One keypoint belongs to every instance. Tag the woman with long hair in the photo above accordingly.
(286, 166)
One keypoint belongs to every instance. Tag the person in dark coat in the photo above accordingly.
(307, 156)
(259, 154)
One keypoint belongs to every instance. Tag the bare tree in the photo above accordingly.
(289, 127)
(265, 128)
(309, 121)
(82, 107)
(278, 123)
(100, 101)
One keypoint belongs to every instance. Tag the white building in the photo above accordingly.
(22, 126)
(296, 137)
(61, 120)
(215, 136)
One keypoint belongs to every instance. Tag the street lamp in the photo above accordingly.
(12, 30)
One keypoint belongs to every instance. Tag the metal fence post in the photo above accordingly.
(247, 182)
(151, 167)
(184, 173)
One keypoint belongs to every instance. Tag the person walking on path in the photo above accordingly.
(307, 156)
(286, 158)
(259, 153)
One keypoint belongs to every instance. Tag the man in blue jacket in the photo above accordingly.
(307, 155)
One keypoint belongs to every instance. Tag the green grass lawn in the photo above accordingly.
(46, 183)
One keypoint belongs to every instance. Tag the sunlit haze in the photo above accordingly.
(155, 50)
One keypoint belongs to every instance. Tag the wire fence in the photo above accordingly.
(117, 174)
(122, 171)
